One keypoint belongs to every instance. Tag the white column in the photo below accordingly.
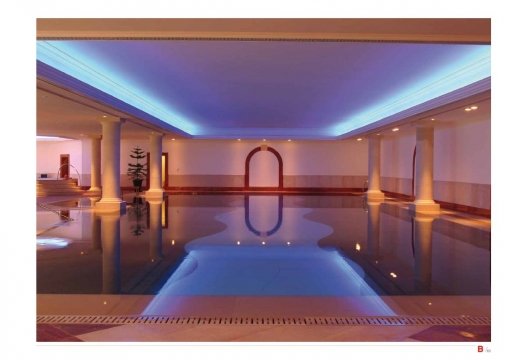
(95, 166)
(374, 191)
(424, 172)
(111, 196)
(156, 153)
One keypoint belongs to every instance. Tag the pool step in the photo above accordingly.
(58, 187)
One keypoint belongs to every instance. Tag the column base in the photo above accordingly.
(110, 206)
(154, 194)
(375, 195)
(92, 192)
(425, 206)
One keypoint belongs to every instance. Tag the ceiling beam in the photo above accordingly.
(461, 31)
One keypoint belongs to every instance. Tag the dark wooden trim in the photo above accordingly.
(167, 175)
(147, 179)
(472, 210)
(165, 212)
(404, 197)
(413, 171)
(248, 160)
(262, 190)
(312, 191)
(63, 166)
(465, 209)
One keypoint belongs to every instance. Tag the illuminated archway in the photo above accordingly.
(248, 160)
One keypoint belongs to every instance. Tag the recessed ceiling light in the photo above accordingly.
(432, 119)
(238, 139)
(264, 139)
(173, 139)
(468, 109)
(289, 139)
(395, 129)
(378, 134)
(474, 107)
(359, 139)
(393, 275)
(105, 116)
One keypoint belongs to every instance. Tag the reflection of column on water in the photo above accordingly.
(374, 229)
(95, 227)
(422, 238)
(156, 230)
(110, 236)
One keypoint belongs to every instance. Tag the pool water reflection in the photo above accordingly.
(262, 246)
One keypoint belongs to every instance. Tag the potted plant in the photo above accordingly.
(137, 171)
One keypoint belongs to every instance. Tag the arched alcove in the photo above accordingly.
(248, 162)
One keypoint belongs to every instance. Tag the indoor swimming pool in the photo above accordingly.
(213, 247)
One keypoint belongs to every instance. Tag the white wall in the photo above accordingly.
(227, 157)
(126, 146)
(463, 153)
(221, 157)
(397, 156)
(48, 156)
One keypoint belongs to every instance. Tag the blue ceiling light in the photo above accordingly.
(261, 89)
(63, 57)
(473, 66)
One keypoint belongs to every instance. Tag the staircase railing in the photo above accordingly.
(77, 172)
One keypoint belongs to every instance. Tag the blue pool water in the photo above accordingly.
(235, 245)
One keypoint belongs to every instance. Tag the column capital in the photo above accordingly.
(113, 119)
(429, 125)
(156, 134)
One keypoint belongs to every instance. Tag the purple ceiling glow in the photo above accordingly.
(257, 88)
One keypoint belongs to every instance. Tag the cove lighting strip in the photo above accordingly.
(468, 70)
(64, 59)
